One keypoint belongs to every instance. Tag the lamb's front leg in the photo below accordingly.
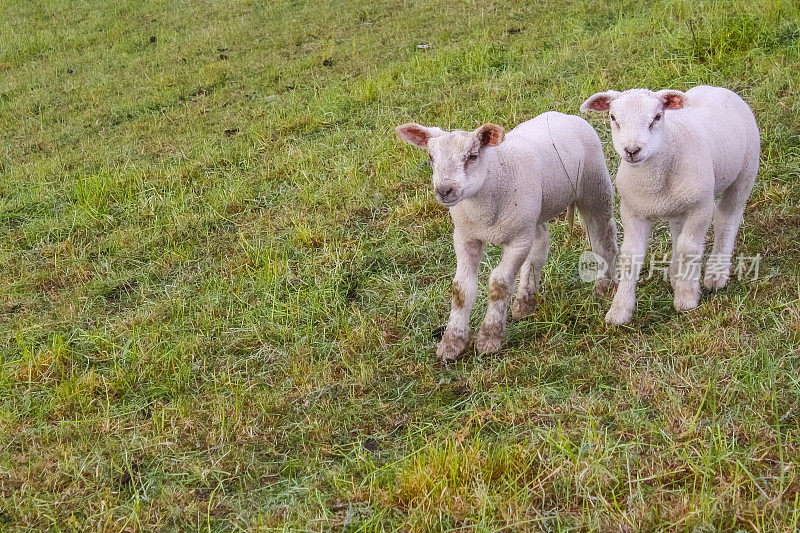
(631, 258)
(689, 253)
(675, 229)
(465, 287)
(501, 286)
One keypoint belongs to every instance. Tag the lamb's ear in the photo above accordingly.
(490, 134)
(599, 102)
(416, 134)
(671, 99)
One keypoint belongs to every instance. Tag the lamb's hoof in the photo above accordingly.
(685, 304)
(490, 338)
(523, 306)
(451, 346)
(687, 298)
(619, 315)
(715, 283)
(605, 287)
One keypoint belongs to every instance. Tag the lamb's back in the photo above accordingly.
(723, 123)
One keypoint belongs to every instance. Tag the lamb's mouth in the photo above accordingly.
(449, 203)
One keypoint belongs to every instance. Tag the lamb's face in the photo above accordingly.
(457, 158)
(637, 119)
(458, 168)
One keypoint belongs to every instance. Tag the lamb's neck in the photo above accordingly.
(653, 175)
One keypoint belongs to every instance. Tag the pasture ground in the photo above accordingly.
(223, 276)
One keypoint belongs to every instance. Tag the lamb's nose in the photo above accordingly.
(633, 151)
(444, 191)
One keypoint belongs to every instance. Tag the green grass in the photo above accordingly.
(223, 277)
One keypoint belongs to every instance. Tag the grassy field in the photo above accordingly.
(223, 277)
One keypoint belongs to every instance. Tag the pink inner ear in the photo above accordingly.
(415, 135)
(673, 101)
(601, 103)
(491, 136)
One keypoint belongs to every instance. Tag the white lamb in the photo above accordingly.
(679, 151)
(502, 189)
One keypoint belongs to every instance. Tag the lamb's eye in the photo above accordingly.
(472, 157)
(655, 119)
(613, 119)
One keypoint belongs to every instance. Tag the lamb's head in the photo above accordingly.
(457, 157)
(637, 119)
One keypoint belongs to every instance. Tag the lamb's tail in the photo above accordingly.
(571, 217)
(571, 222)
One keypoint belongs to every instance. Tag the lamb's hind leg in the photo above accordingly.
(595, 203)
(501, 284)
(727, 219)
(530, 275)
(602, 232)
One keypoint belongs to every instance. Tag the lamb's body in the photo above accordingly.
(529, 181)
(541, 168)
(709, 148)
